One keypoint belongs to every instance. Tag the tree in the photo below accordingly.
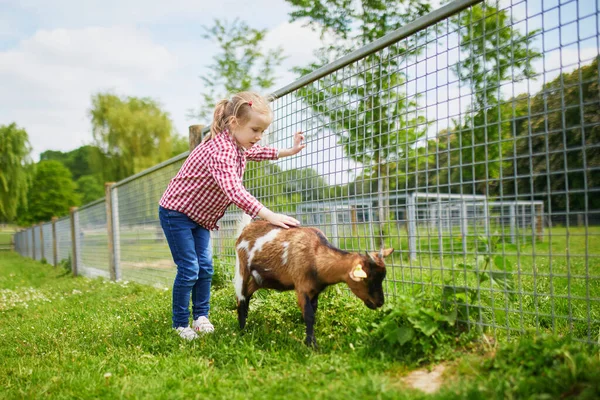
(241, 64)
(306, 182)
(558, 134)
(14, 178)
(132, 133)
(180, 145)
(81, 161)
(375, 121)
(89, 188)
(52, 193)
(494, 53)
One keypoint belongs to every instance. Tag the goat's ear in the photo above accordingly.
(357, 274)
(386, 252)
(381, 254)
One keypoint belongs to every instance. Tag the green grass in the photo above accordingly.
(65, 337)
(6, 234)
(5, 237)
(554, 280)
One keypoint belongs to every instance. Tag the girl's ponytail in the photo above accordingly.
(237, 109)
(219, 119)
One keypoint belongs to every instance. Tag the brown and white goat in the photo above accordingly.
(302, 259)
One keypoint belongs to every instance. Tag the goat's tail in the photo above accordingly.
(243, 222)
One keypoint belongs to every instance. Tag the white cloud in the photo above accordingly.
(298, 44)
(69, 13)
(49, 78)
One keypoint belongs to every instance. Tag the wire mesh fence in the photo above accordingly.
(144, 255)
(48, 242)
(64, 239)
(93, 238)
(37, 240)
(467, 141)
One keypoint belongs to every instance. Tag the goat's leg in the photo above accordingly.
(315, 303)
(242, 306)
(308, 312)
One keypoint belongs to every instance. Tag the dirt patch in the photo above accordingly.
(424, 380)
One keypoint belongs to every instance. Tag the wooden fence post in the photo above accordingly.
(195, 136)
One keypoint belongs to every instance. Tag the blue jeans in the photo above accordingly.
(191, 250)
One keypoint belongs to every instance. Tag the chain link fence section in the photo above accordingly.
(63, 239)
(37, 252)
(93, 240)
(48, 243)
(469, 145)
(143, 252)
(19, 246)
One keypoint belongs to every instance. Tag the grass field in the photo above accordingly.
(65, 337)
(6, 234)
(5, 237)
(547, 285)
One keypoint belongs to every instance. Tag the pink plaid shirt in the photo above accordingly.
(210, 180)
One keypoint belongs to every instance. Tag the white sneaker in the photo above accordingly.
(186, 333)
(203, 325)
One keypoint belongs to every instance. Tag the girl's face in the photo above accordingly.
(251, 132)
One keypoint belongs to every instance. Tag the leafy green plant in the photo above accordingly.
(413, 321)
(488, 266)
(66, 263)
(219, 278)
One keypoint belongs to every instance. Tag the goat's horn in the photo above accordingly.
(370, 256)
(381, 253)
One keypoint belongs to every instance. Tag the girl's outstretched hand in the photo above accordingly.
(298, 143)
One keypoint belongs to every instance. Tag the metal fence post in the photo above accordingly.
(54, 242)
(74, 240)
(33, 242)
(464, 225)
(116, 228)
(438, 222)
(411, 225)
(334, 227)
(110, 230)
(540, 222)
(42, 255)
(513, 220)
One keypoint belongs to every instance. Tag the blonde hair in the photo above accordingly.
(237, 109)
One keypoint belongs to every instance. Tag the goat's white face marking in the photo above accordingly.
(260, 242)
(285, 252)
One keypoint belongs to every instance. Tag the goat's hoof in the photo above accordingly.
(311, 342)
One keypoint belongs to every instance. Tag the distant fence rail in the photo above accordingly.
(468, 140)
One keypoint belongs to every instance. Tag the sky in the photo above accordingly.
(54, 55)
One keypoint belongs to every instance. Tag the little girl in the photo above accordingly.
(197, 197)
